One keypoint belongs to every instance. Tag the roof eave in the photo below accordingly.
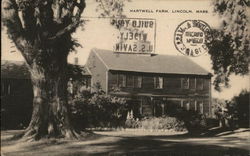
(122, 70)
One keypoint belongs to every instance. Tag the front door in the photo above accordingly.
(147, 107)
(159, 107)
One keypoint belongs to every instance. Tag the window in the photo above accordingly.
(195, 105)
(138, 81)
(186, 104)
(121, 80)
(192, 83)
(206, 83)
(140, 109)
(185, 83)
(87, 82)
(182, 103)
(130, 81)
(9, 87)
(200, 84)
(158, 82)
(200, 105)
(192, 104)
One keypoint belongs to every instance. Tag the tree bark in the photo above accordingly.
(50, 117)
(41, 31)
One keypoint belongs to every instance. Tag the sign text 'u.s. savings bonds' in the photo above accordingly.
(136, 35)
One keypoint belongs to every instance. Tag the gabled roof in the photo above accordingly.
(18, 70)
(165, 64)
(75, 69)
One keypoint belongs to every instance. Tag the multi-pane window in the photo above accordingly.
(182, 103)
(185, 83)
(138, 81)
(6, 88)
(158, 82)
(186, 104)
(192, 83)
(130, 81)
(87, 82)
(206, 84)
(200, 106)
(199, 84)
(192, 104)
(121, 80)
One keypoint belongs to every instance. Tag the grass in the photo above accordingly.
(133, 142)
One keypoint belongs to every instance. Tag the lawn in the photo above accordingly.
(132, 142)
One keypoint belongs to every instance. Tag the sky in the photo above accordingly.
(98, 33)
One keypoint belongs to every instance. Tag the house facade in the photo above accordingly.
(152, 82)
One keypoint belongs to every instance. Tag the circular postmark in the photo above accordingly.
(191, 37)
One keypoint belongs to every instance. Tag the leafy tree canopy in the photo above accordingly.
(230, 48)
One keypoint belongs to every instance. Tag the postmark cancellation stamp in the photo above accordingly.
(191, 37)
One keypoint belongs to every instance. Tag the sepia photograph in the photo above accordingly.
(125, 77)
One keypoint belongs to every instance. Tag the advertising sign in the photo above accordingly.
(136, 35)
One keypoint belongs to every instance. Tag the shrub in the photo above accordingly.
(211, 122)
(163, 123)
(153, 123)
(97, 110)
(194, 121)
(238, 110)
(132, 123)
(234, 113)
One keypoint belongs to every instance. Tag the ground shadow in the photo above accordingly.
(159, 145)
(220, 131)
(176, 145)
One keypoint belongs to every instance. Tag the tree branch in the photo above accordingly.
(25, 13)
(11, 19)
(76, 19)
(24, 47)
(14, 26)
(70, 28)
(81, 5)
(57, 9)
(103, 7)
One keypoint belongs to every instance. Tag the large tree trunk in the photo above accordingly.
(50, 115)
(41, 31)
